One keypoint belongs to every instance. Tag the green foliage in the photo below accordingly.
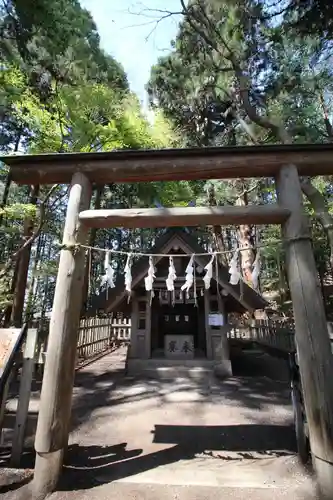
(45, 45)
(60, 93)
(304, 17)
(55, 40)
(19, 211)
(222, 48)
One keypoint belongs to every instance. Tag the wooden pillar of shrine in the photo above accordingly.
(313, 344)
(56, 395)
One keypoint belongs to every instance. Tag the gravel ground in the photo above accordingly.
(180, 438)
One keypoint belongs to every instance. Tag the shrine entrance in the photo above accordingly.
(178, 330)
(83, 170)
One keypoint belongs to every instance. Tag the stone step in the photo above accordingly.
(163, 362)
(174, 373)
(175, 368)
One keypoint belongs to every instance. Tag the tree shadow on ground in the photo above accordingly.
(103, 385)
(250, 387)
(86, 467)
(256, 383)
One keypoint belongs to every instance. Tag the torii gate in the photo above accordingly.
(284, 163)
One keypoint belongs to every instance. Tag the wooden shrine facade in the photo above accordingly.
(285, 163)
(179, 326)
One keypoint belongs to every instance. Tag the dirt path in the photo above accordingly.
(179, 438)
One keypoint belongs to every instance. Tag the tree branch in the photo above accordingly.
(62, 132)
(248, 190)
(35, 234)
(208, 33)
(328, 125)
(165, 15)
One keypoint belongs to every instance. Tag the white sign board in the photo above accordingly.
(215, 319)
(179, 346)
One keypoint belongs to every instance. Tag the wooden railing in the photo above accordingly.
(97, 335)
(276, 335)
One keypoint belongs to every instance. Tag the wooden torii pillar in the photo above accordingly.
(313, 342)
(56, 396)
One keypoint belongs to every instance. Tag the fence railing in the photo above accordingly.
(97, 335)
(278, 335)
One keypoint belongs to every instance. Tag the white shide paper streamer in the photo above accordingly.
(108, 277)
(209, 272)
(149, 279)
(171, 276)
(189, 275)
(233, 270)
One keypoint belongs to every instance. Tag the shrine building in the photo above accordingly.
(181, 328)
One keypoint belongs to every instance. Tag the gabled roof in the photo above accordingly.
(247, 297)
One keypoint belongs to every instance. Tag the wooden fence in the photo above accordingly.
(279, 336)
(97, 335)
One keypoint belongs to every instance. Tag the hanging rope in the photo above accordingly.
(190, 277)
(160, 255)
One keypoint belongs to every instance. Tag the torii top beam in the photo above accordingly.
(171, 164)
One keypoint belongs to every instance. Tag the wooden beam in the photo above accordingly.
(171, 164)
(184, 216)
(313, 343)
(56, 395)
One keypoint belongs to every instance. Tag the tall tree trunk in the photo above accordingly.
(217, 230)
(23, 267)
(5, 195)
(33, 283)
(46, 285)
(245, 242)
(321, 279)
(8, 311)
(91, 243)
(9, 178)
